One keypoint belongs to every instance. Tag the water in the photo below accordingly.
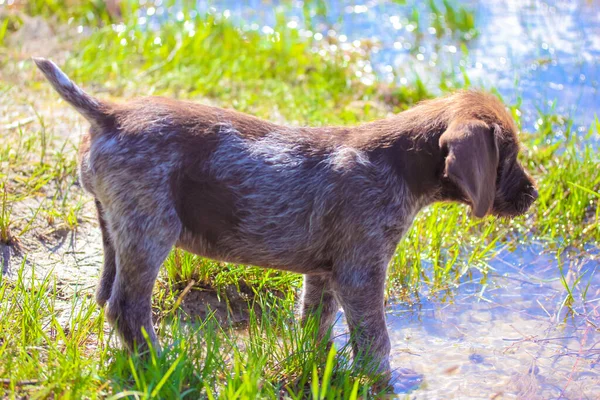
(514, 337)
(544, 54)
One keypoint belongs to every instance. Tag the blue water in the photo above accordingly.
(544, 53)
(512, 336)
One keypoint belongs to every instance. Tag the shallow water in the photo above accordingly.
(513, 336)
(544, 53)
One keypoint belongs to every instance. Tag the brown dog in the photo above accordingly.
(331, 203)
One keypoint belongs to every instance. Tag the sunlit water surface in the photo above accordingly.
(515, 334)
(544, 54)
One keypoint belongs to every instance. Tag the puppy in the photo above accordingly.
(331, 203)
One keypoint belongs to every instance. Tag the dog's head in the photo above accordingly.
(481, 168)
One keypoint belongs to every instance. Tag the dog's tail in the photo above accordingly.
(94, 110)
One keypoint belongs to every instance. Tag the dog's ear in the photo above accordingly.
(472, 162)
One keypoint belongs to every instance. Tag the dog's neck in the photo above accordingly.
(414, 155)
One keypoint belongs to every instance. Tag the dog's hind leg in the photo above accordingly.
(317, 296)
(142, 236)
(109, 269)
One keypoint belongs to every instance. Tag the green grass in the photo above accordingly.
(57, 344)
(40, 174)
(37, 350)
(5, 216)
(210, 57)
(447, 19)
(456, 20)
(57, 349)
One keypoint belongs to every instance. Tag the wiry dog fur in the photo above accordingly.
(331, 203)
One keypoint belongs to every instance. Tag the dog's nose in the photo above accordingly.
(534, 193)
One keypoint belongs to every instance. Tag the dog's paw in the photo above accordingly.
(405, 380)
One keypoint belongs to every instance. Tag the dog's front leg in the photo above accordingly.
(360, 291)
(318, 301)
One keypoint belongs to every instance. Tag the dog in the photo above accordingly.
(331, 203)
